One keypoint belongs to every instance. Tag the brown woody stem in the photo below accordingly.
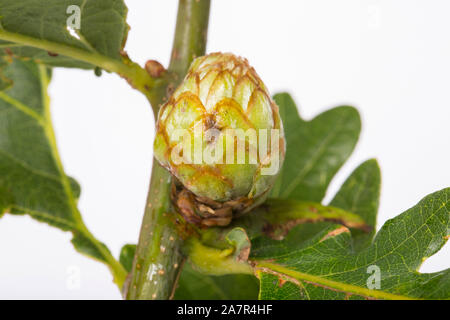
(158, 257)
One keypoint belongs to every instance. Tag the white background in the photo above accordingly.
(391, 59)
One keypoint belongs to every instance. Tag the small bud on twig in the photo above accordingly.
(154, 68)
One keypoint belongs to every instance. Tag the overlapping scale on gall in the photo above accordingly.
(224, 93)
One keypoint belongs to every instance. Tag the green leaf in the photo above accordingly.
(316, 149)
(360, 194)
(76, 189)
(32, 178)
(220, 250)
(278, 216)
(29, 169)
(127, 256)
(279, 288)
(194, 285)
(325, 266)
(103, 29)
(84, 244)
(238, 239)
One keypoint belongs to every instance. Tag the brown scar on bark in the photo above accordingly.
(335, 233)
(124, 54)
(174, 54)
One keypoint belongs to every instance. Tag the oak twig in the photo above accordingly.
(158, 257)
